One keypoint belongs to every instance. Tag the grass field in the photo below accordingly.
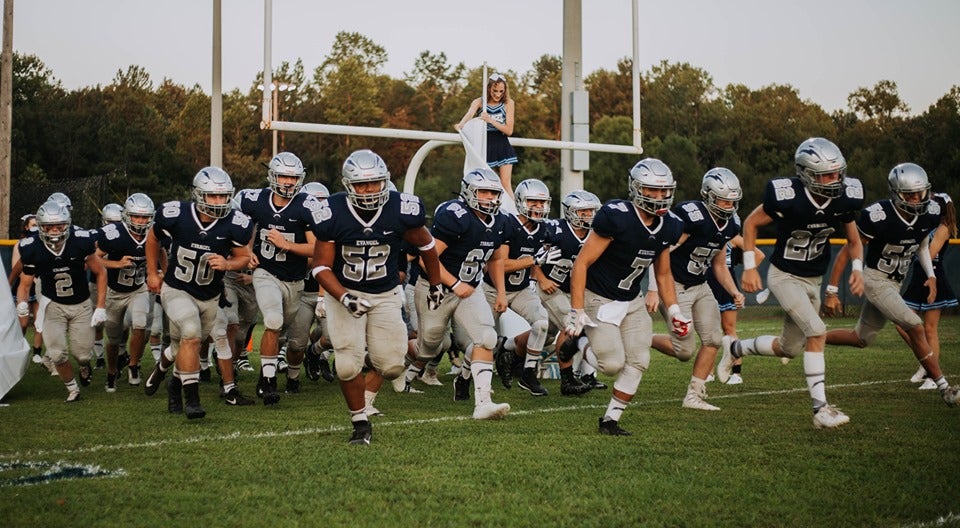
(758, 462)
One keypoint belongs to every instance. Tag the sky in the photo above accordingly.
(826, 49)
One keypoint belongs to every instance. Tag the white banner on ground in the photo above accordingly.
(14, 349)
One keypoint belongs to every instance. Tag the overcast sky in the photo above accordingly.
(824, 48)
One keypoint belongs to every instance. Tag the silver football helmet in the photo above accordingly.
(481, 179)
(533, 189)
(316, 189)
(212, 181)
(651, 173)
(112, 212)
(721, 184)
(61, 199)
(909, 178)
(579, 207)
(138, 206)
(285, 164)
(365, 166)
(53, 220)
(392, 186)
(817, 156)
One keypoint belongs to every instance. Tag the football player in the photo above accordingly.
(120, 245)
(708, 225)
(567, 235)
(894, 230)
(526, 251)
(242, 310)
(627, 237)
(207, 238)
(281, 246)
(356, 262)
(806, 209)
(60, 255)
(470, 232)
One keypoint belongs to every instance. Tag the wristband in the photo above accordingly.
(749, 260)
(857, 265)
(455, 284)
(429, 246)
(832, 290)
(316, 271)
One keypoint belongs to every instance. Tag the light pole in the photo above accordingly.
(276, 87)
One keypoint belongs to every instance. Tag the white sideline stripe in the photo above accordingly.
(943, 520)
(237, 435)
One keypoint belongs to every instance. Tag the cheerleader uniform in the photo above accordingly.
(499, 150)
(915, 295)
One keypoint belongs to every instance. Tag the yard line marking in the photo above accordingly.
(238, 435)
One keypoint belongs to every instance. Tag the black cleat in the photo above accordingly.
(504, 362)
(233, 397)
(191, 396)
(111, 385)
(311, 364)
(86, 374)
(570, 385)
(593, 382)
(101, 363)
(326, 371)
(174, 396)
(529, 382)
(362, 433)
(293, 386)
(267, 390)
(154, 380)
(205, 374)
(612, 428)
(461, 388)
(122, 361)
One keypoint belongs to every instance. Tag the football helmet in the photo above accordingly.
(392, 186)
(651, 173)
(908, 178)
(112, 212)
(285, 164)
(208, 182)
(481, 179)
(53, 220)
(577, 202)
(138, 205)
(817, 156)
(316, 189)
(721, 184)
(365, 166)
(533, 189)
(61, 199)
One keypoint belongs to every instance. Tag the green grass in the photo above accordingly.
(758, 462)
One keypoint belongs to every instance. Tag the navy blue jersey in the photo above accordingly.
(63, 276)
(115, 240)
(893, 239)
(292, 220)
(470, 241)
(690, 261)
(193, 243)
(368, 251)
(522, 243)
(804, 228)
(561, 236)
(617, 273)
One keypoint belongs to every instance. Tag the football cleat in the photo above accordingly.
(504, 362)
(529, 382)
(174, 396)
(86, 374)
(593, 382)
(111, 385)
(100, 364)
(571, 386)
(919, 375)
(829, 417)
(928, 384)
(37, 358)
(725, 367)
(153, 380)
(267, 390)
(133, 375)
(490, 410)
(191, 396)
(362, 433)
(950, 395)
(461, 388)
(293, 386)
(325, 371)
(72, 397)
(282, 365)
(429, 377)
(410, 389)
(611, 428)
(233, 397)
(694, 400)
(243, 364)
(370, 410)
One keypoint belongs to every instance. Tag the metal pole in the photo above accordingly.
(216, 91)
(6, 116)
(267, 64)
(276, 114)
(636, 75)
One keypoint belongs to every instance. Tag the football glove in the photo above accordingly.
(23, 309)
(321, 309)
(358, 307)
(99, 317)
(547, 256)
(435, 296)
(680, 323)
(575, 321)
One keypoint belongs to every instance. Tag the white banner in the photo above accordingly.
(14, 349)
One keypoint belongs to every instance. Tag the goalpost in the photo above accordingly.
(574, 136)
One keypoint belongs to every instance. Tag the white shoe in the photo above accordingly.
(710, 378)
(829, 417)
(694, 401)
(399, 383)
(919, 375)
(49, 366)
(735, 379)
(454, 371)
(490, 411)
(784, 360)
(372, 411)
(951, 395)
(37, 358)
(725, 367)
(928, 384)
(430, 378)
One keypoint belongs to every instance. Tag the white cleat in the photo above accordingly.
(399, 383)
(725, 367)
(951, 395)
(37, 358)
(694, 401)
(829, 417)
(735, 379)
(430, 378)
(918, 375)
(928, 384)
(372, 411)
(490, 411)
(784, 360)
(710, 378)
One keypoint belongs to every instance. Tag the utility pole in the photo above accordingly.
(6, 116)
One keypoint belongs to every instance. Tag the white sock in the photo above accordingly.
(757, 346)
(531, 361)
(268, 366)
(815, 367)
(482, 379)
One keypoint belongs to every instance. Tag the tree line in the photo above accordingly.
(134, 135)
